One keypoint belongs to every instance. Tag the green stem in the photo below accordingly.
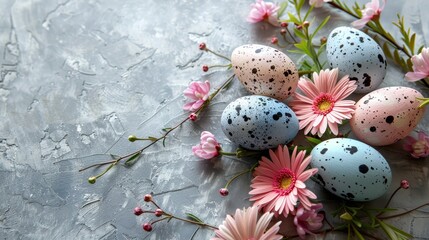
(202, 224)
(220, 66)
(390, 199)
(404, 213)
(155, 140)
(217, 54)
(240, 174)
(228, 153)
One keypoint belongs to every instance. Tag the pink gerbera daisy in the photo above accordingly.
(279, 183)
(246, 225)
(323, 104)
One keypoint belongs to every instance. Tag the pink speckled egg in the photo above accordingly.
(265, 71)
(386, 115)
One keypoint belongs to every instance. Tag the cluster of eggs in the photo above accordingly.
(348, 168)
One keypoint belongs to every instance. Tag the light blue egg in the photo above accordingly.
(356, 54)
(257, 122)
(351, 169)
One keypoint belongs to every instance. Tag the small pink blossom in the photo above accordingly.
(417, 147)
(405, 184)
(371, 11)
(208, 147)
(307, 221)
(318, 3)
(263, 11)
(420, 66)
(199, 93)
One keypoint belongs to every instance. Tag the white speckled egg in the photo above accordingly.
(265, 71)
(351, 169)
(356, 54)
(386, 115)
(257, 122)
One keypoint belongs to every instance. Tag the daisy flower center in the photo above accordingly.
(323, 104)
(285, 181)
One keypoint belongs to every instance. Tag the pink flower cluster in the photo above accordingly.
(263, 11)
(420, 66)
(208, 148)
(371, 11)
(417, 147)
(199, 93)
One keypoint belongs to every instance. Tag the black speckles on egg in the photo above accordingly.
(355, 177)
(363, 168)
(265, 71)
(366, 80)
(389, 119)
(358, 55)
(277, 116)
(352, 150)
(259, 122)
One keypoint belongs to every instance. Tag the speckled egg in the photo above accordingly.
(386, 115)
(257, 122)
(351, 169)
(265, 71)
(356, 54)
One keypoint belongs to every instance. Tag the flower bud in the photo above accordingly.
(138, 211)
(147, 227)
(405, 184)
(202, 46)
(132, 138)
(205, 68)
(147, 198)
(306, 23)
(224, 192)
(92, 179)
(193, 117)
(284, 24)
(274, 40)
(323, 40)
(159, 212)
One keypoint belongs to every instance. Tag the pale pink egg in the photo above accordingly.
(265, 71)
(386, 115)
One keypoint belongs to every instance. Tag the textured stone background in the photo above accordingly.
(79, 76)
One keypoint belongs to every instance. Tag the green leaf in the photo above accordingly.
(386, 50)
(282, 9)
(412, 43)
(393, 232)
(166, 129)
(299, 6)
(130, 161)
(293, 19)
(320, 26)
(357, 233)
(313, 140)
(299, 33)
(193, 217)
(153, 139)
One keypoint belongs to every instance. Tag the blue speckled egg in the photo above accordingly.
(258, 122)
(356, 54)
(351, 169)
